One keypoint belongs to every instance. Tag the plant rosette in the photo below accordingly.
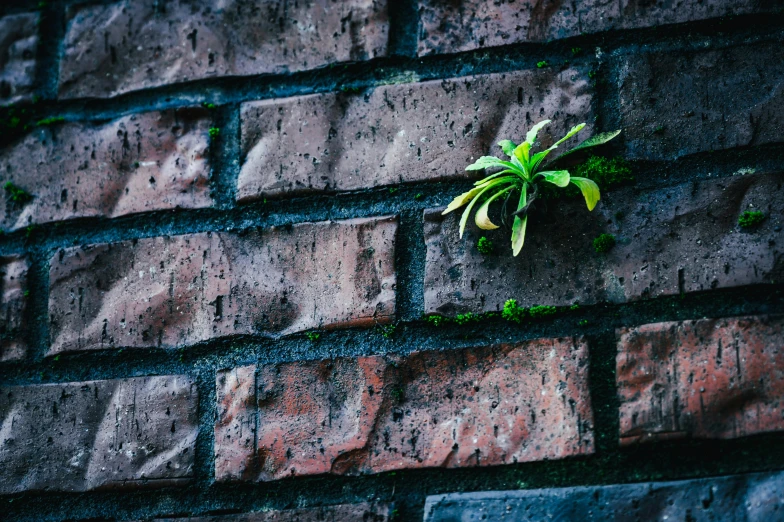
(522, 174)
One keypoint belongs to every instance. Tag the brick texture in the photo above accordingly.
(136, 44)
(751, 498)
(711, 378)
(462, 25)
(463, 408)
(174, 291)
(671, 240)
(18, 45)
(13, 300)
(399, 133)
(83, 436)
(140, 163)
(671, 103)
(339, 513)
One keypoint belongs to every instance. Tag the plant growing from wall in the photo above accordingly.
(522, 175)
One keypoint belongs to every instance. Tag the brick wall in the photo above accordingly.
(227, 291)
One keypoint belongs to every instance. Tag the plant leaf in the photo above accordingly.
(519, 225)
(556, 177)
(462, 199)
(521, 152)
(530, 137)
(488, 178)
(508, 146)
(577, 128)
(481, 219)
(593, 141)
(486, 162)
(589, 189)
(482, 190)
(540, 156)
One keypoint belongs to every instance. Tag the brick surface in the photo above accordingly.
(462, 25)
(711, 378)
(339, 513)
(140, 163)
(174, 291)
(476, 407)
(751, 498)
(18, 45)
(13, 300)
(671, 103)
(399, 133)
(671, 240)
(136, 44)
(81, 436)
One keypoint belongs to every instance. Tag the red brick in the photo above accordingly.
(140, 163)
(462, 25)
(13, 301)
(136, 44)
(671, 103)
(670, 240)
(339, 513)
(82, 436)
(399, 133)
(710, 378)
(170, 292)
(477, 407)
(18, 46)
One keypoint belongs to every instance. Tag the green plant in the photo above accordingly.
(604, 243)
(387, 330)
(312, 336)
(208, 105)
(583, 322)
(542, 64)
(419, 196)
(466, 318)
(392, 190)
(574, 307)
(512, 312)
(485, 246)
(16, 194)
(436, 320)
(539, 311)
(49, 121)
(606, 172)
(751, 218)
(214, 132)
(523, 174)
(577, 50)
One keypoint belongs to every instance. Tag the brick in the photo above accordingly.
(137, 44)
(752, 498)
(710, 378)
(671, 103)
(139, 163)
(81, 436)
(399, 133)
(13, 301)
(670, 240)
(168, 292)
(463, 25)
(477, 407)
(18, 46)
(365, 512)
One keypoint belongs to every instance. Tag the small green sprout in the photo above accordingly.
(485, 246)
(542, 64)
(512, 312)
(576, 50)
(16, 194)
(49, 121)
(604, 243)
(208, 105)
(387, 330)
(436, 320)
(392, 190)
(419, 196)
(26, 293)
(574, 307)
(592, 74)
(214, 132)
(466, 318)
(542, 311)
(523, 174)
(659, 129)
(583, 322)
(751, 218)
(313, 336)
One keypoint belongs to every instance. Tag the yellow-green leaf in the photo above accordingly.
(589, 189)
(462, 199)
(482, 190)
(556, 177)
(530, 137)
(481, 219)
(519, 225)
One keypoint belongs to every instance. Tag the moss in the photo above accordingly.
(208, 105)
(574, 307)
(387, 330)
(485, 246)
(350, 90)
(436, 320)
(751, 218)
(542, 64)
(604, 243)
(419, 196)
(392, 190)
(583, 322)
(214, 132)
(606, 172)
(592, 74)
(313, 336)
(17, 195)
(49, 121)
(538, 312)
(512, 312)
(577, 50)
(466, 318)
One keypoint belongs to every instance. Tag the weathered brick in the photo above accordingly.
(13, 300)
(140, 163)
(136, 44)
(711, 378)
(399, 133)
(680, 102)
(174, 291)
(751, 498)
(18, 44)
(81, 436)
(671, 240)
(462, 25)
(365, 512)
(476, 407)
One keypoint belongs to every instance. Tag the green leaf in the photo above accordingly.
(481, 219)
(467, 211)
(589, 189)
(593, 141)
(530, 137)
(508, 146)
(488, 178)
(556, 177)
(486, 162)
(577, 128)
(519, 225)
(521, 152)
(540, 156)
(462, 199)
